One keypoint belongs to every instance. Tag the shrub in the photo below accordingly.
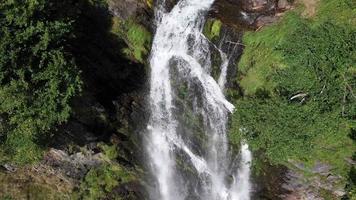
(38, 77)
(102, 180)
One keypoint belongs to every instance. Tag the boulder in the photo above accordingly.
(250, 14)
(74, 166)
(256, 5)
(125, 8)
(283, 4)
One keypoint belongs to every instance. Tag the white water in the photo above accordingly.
(178, 38)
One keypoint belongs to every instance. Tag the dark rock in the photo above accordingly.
(132, 189)
(299, 186)
(265, 20)
(283, 4)
(350, 161)
(321, 168)
(257, 5)
(74, 166)
(231, 13)
(249, 14)
(9, 167)
(126, 9)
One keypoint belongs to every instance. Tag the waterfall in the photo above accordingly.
(179, 44)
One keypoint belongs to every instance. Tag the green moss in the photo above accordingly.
(212, 28)
(26, 185)
(21, 146)
(136, 36)
(149, 3)
(41, 192)
(327, 195)
(110, 151)
(216, 28)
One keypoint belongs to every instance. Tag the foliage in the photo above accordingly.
(38, 77)
(102, 180)
(260, 59)
(109, 151)
(339, 12)
(298, 79)
(136, 36)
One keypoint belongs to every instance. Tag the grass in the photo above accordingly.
(338, 12)
(110, 151)
(260, 59)
(297, 55)
(28, 184)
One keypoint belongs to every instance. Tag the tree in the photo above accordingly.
(38, 75)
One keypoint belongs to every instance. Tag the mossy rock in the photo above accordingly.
(135, 35)
(212, 28)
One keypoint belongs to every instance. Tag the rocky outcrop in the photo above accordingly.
(137, 10)
(74, 166)
(322, 182)
(37, 181)
(250, 14)
(126, 9)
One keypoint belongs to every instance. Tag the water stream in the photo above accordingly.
(208, 170)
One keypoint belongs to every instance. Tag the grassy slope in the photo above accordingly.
(300, 55)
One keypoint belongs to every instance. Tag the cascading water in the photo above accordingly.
(178, 42)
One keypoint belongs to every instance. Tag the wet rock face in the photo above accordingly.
(257, 5)
(284, 4)
(135, 10)
(250, 14)
(126, 8)
(74, 166)
(268, 183)
(322, 182)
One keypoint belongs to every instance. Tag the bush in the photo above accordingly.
(38, 76)
(102, 180)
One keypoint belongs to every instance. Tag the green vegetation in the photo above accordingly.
(47, 49)
(7, 197)
(101, 181)
(136, 37)
(149, 3)
(110, 151)
(27, 184)
(299, 83)
(49, 52)
(38, 76)
(212, 28)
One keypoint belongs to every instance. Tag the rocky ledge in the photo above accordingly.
(251, 14)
